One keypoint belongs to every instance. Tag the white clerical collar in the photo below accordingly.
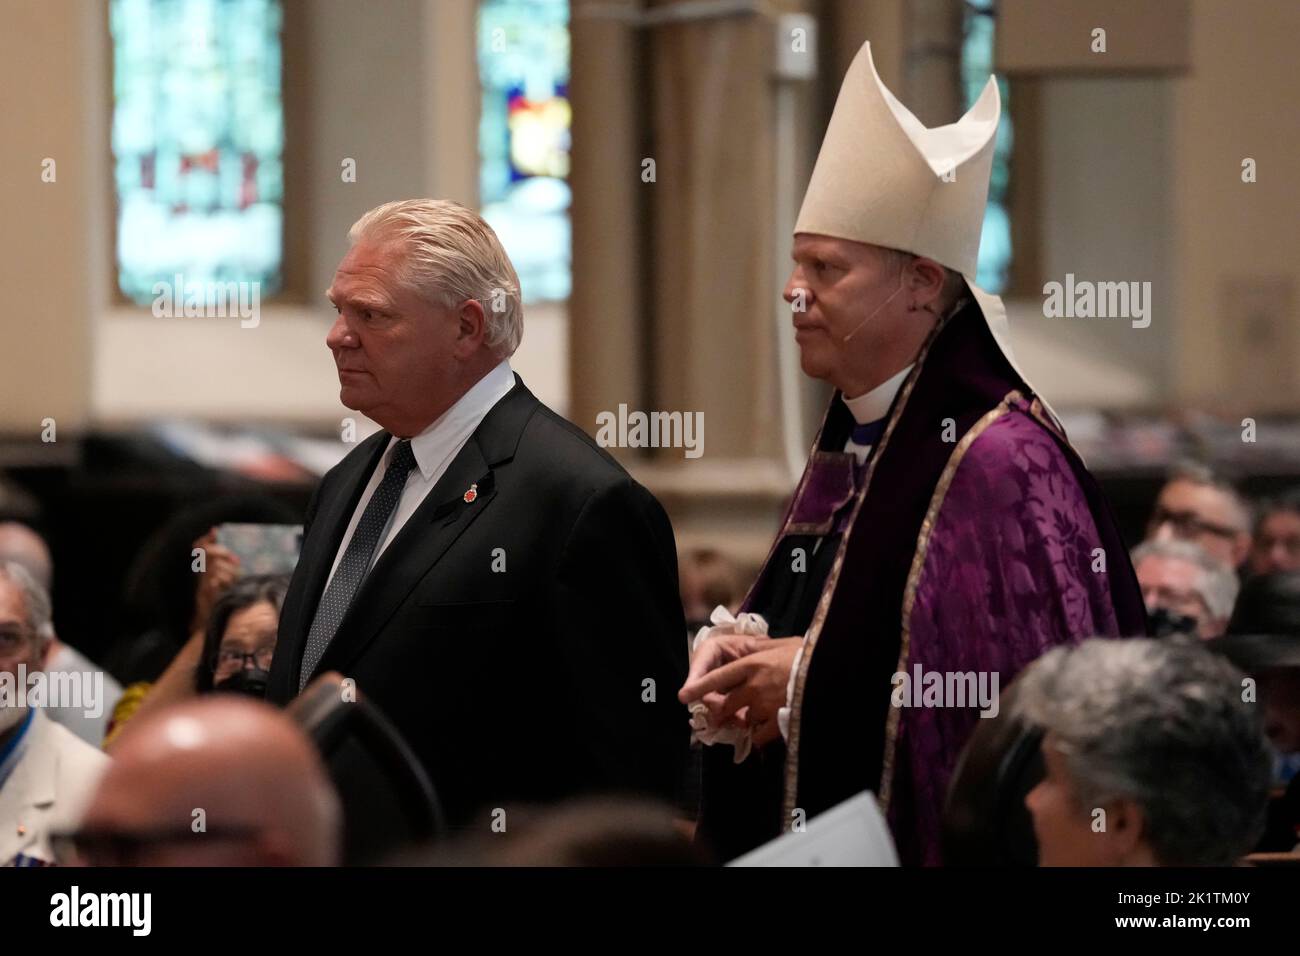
(874, 405)
(459, 422)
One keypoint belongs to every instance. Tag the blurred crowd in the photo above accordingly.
(1185, 743)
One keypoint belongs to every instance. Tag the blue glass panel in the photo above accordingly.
(994, 267)
(198, 136)
(523, 56)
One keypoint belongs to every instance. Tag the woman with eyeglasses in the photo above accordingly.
(232, 653)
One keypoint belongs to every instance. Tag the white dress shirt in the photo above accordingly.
(434, 450)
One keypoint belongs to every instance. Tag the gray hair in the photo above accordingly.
(20, 542)
(1199, 473)
(1163, 723)
(1216, 584)
(36, 601)
(449, 255)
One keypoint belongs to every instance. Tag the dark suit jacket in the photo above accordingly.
(510, 638)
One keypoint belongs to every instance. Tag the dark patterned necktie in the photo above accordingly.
(356, 559)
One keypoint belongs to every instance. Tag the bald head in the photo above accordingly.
(259, 784)
(24, 546)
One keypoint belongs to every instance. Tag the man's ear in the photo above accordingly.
(473, 326)
(1125, 831)
(925, 282)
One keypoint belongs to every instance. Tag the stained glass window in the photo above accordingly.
(523, 56)
(994, 267)
(198, 137)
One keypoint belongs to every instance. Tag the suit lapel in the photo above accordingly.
(425, 538)
(441, 518)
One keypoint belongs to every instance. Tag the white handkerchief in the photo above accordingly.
(741, 738)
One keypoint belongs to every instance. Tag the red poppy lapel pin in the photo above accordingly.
(470, 495)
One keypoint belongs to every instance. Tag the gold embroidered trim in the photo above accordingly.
(828, 588)
(914, 578)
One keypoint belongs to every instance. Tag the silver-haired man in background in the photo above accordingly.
(47, 774)
(1185, 588)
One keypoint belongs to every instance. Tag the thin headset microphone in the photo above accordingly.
(873, 314)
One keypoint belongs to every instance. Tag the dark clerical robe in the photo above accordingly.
(972, 541)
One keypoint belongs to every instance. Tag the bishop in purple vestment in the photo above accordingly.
(944, 533)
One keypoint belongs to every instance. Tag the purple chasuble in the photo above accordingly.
(975, 541)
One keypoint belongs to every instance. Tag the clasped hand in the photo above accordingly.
(742, 681)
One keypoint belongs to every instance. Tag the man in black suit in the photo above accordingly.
(491, 579)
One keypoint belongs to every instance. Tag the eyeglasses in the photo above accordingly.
(13, 642)
(110, 847)
(232, 659)
(1188, 525)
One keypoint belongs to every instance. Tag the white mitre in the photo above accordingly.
(882, 177)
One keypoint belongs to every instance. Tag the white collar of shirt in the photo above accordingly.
(434, 448)
(874, 405)
(446, 436)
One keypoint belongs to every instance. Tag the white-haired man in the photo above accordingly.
(22, 544)
(491, 579)
(47, 774)
(1185, 588)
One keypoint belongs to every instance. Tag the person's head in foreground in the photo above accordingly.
(428, 303)
(1198, 506)
(1276, 545)
(1152, 756)
(218, 781)
(587, 831)
(241, 635)
(1185, 588)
